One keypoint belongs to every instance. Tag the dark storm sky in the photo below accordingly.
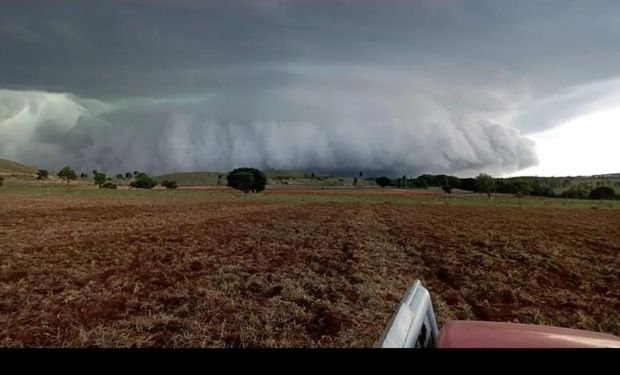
(388, 86)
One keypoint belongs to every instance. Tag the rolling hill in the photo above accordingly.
(8, 167)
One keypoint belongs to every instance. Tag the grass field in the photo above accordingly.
(292, 267)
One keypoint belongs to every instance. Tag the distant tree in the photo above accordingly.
(169, 184)
(239, 180)
(99, 178)
(361, 174)
(120, 176)
(522, 187)
(1, 180)
(128, 175)
(485, 184)
(143, 181)
(454, 182)
(312, 176)
(602, 192)
(83, 175)
(42, 174)
(469, 184)
(542, 188)
(135, 173)
(67, 174)
(354, 181)
(449, 183)
(219, 179)
(383, 181)
(446, 186)
(107, 185)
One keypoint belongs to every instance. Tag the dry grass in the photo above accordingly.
(185, 271)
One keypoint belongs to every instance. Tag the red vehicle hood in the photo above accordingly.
(476, 334)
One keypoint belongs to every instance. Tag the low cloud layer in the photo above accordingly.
(337, 86)
(336, 132)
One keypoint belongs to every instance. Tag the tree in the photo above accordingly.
(383, 181)
(42, 174)
(354, 181)
(83, 175)
(128, 175)
(449, 183)
(469, 184)
(446, 186)
(219, 179)
(361, 174)
(135, 173)
(67, 174)
(1, 180)
(99, 177)
(143, 181)
(602, 192)
(239, 180)
(120, 176)
(169, 184)
(485, 184)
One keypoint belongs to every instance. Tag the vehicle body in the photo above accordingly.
(413, 325)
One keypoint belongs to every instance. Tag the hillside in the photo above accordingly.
(8, 167)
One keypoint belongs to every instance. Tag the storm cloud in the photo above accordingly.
(389, 87)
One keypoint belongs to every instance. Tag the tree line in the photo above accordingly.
(138, 180)
(244, 179)
(519, 186)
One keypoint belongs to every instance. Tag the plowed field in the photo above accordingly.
(183, 270)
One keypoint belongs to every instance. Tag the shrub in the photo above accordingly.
(108, 185)
(169, 184)
(42, 174)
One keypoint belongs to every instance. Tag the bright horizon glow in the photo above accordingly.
(584, 146)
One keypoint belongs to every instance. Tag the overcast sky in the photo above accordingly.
(396, 87)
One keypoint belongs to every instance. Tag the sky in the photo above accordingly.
(387, 87)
